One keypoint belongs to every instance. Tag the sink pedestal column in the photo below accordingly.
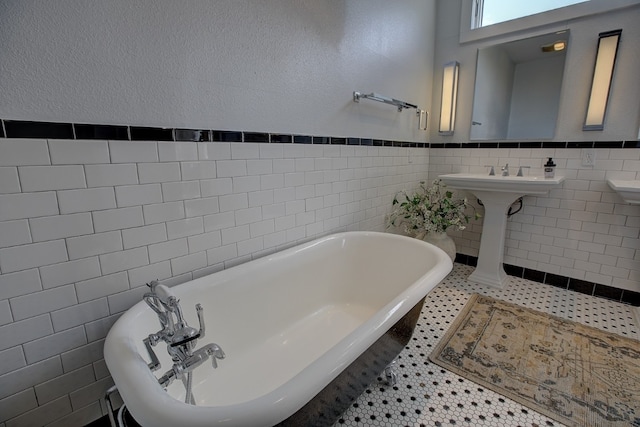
(497, 194)
(494, 229)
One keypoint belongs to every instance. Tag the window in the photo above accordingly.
(489, 12)
(559, 13)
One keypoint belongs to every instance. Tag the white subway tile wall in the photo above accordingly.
(85, 224)
(5, 313)
(14, 233)
(583, 230)
(9, 180)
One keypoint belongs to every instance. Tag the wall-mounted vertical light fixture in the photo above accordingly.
(602, 77)
(449, 97)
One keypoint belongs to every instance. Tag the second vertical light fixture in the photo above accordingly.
(449, 98)
(602, 78)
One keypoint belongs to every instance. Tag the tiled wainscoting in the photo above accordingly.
(90, 213)
(576, 285)
(583, 230)
(85, 223)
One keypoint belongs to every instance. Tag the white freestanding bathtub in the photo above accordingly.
(289, 323)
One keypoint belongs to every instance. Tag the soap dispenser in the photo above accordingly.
(549, 168)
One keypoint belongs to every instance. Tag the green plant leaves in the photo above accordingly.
(429, 209)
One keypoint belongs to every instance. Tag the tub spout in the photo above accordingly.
(215, 352)
(201, 355)
(183, 367)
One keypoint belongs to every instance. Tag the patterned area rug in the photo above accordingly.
(575, 374)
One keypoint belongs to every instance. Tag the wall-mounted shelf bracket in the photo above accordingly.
(423, 115)
(380, 98)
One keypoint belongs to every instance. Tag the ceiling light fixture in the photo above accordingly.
(555, 46)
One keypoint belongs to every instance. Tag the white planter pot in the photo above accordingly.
(442, 241)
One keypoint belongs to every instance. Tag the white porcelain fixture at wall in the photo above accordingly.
(497, 194)
(629, 190)
(602, 77)
(449, 98)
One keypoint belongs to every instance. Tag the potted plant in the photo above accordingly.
(429, 212)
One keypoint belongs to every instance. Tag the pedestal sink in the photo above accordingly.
(497, 193)
(628, 190)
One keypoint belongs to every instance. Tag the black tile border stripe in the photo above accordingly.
(302, 139)
(226, 136)
(256, 137)
(139, 133)
(194, 135)
(581, 286)
(57, 130)
(540, 144)
(84, 131)
(29, 129)
(327, 140)
(277, 138)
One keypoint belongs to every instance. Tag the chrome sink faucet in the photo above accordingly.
(178, 335)
(505, 170)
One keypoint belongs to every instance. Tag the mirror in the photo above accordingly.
(517, 89)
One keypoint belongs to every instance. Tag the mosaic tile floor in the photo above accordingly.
(427, 395)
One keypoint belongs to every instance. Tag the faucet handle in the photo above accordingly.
(492, 171)
(200, 312)
(149, 342)
(520, 170)
(215, 352)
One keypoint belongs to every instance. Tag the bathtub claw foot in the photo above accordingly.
(391, 373)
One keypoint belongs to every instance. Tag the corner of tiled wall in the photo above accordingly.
(583, 230)
(85, 223)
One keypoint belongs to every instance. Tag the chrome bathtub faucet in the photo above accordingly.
(180, 338)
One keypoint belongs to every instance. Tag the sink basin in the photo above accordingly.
(497, 194)
(504, 184)
(628, 190)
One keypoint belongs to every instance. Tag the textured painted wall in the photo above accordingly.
(133, 211)
(277, 66)
(623, 117)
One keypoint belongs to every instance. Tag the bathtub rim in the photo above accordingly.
(149, 403)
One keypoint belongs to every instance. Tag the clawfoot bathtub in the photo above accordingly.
(304, 331)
